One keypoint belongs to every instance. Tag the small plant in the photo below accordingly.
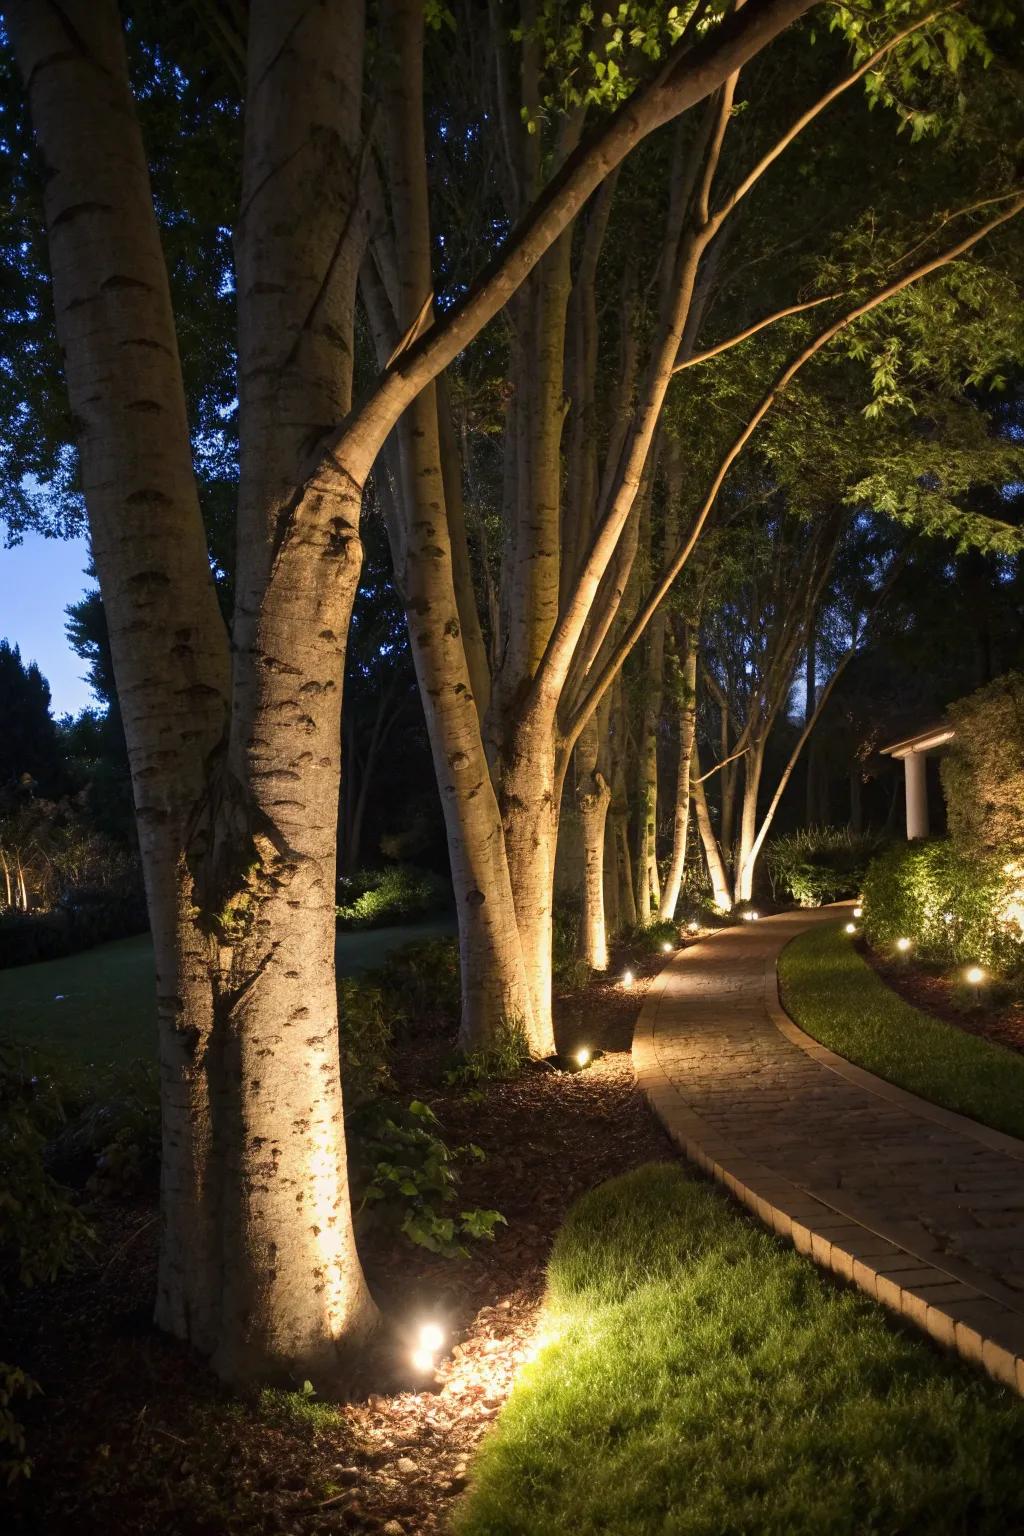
(421, 980)
(503, 1059)
(375, 898)
(406, 1174)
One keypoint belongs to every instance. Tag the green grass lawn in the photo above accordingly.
(836, 996)
(704, 1380)
(99, 1006)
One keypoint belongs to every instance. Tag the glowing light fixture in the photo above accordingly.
(975, 975)
(851, 927)
(582, 1056)
(693, 926)
(627, 979)
(858, 911)
(431, 1337)
(666, 948)
(902, 945)
(422, 1361)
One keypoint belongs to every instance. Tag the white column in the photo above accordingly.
(917, 794)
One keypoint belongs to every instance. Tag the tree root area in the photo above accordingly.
(939, 995)
(132, 1434)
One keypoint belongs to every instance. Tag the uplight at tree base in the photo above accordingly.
(627, 979)
(903, 945)
(582, 1056)
(858, 911)
(667, 948)
(851, 928)
(693, 926)
(974, 975)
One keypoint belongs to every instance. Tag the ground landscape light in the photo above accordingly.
(583, 1056)
(627, 979)
(851, 927)
(975, 975)
(666, 947)
(422, 1361)
(693, 925)
(431, 1337)
(858, 911)
(903, 945)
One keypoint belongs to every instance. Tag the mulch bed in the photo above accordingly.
(135, 1436)
(938, 994)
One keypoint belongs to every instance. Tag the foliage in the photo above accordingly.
(688, 1345)
(405, 1173)
(836, 996)
(377, 898)
(111, 1139)
(983, 771)
(366, 1019)
(569, 970)
(28, 744)
(504, 1058)
(820, 864)
(421, 980)
(40, 1229)
(956, 907)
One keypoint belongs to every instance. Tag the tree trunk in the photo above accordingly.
(593, 796)
(753, 763)
(681, 817)
(258, 1264)
(721, 894)
(530, 801)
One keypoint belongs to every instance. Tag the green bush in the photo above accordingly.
(40, 1229)
(819, 864)
(983, 771)
(377, 898)
(366, 1018)
(421, 980)
(951, 904)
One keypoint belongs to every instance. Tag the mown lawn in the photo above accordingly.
(99, 1006)
(703, 1380)
(836, 996)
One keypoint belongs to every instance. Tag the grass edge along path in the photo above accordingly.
(832, 993)
(702, 1379)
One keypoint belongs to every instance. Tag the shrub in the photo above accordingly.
(375, 898)
(951, 904)
(983, 770)
(820, 864)
(421, 980)
(366, 1019)
(40, 1229)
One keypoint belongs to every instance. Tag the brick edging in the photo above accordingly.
(958, 1314)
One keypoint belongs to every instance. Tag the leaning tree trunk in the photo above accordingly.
(593, 796)
(681, 818)
(720, 891)
(530, 800)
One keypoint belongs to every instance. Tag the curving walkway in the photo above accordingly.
(922, 1208)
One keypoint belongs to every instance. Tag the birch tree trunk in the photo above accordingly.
(753, 764)
(237, 811)
(681, 816)
(593, 796)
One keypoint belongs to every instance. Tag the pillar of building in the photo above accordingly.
(917, 794)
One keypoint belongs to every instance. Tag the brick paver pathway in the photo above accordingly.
(923, 1208)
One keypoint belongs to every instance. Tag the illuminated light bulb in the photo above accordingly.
(975, 975)
(903, 945)
(748, 917)
(693, 926)
(851, 927)
(423, 1361)
(858, 911)
(627, 979)
(582, 1056)
(754, 916)
(431, 1337)
(666, 948)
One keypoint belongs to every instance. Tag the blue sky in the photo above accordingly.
(38, 579)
